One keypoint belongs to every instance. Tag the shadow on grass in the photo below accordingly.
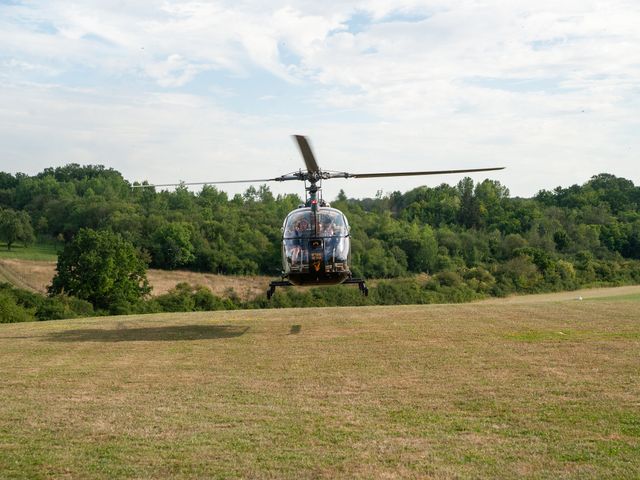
(149, 334)
(295, 329)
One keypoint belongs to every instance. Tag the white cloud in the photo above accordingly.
(547, 88)
(174, 71)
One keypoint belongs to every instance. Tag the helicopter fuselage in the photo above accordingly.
(316, 248)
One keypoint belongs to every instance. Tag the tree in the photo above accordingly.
(469, 214)
(172, 246)
(15, 226)
(102, 268)
(421, 247)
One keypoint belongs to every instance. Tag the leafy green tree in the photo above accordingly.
(172, 246)
(632, 246)
(383, 263)
(421, 248)
(15, 226)
(469, 214)
(522, 273)
(510, 244)
(102, 268)
(490, 196)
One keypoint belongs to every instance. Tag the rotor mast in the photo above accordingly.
(315, 194)
(313, 174)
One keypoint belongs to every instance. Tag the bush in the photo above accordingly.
(178, 299)
(186, 298)
(40, 307)
(449, 279)
(11, 312)
(397, 293)
(522, 273)
(480, 280)
(62, 306)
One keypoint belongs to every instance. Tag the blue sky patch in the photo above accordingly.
(359, 22)
(547, 44)
(404, 17)
(287, 56)
(520, 85)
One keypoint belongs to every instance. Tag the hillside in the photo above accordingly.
(36, 275)
(470, 235)
(546, 389)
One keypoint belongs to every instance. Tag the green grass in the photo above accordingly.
(633, 297)
(34, 252)
(440, 391)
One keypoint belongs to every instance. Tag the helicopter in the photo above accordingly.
(315, 244)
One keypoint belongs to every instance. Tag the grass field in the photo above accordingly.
(44, 252)
(539, 390)
(635, 297)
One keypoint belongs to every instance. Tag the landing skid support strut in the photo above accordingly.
(277, 283)
(361, 285)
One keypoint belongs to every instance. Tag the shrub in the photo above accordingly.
(11, 312)
(186, 298)
(62, 306)
(449, 279)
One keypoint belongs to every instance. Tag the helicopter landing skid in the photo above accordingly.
(286, 283)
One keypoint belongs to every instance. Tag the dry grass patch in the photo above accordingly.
(541, 390)
(33, 275)
(245, 286)
(36, 276)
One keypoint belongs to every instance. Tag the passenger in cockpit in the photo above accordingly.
(297, 244)
(328, 231)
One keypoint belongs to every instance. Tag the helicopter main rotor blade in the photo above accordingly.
(307, 153)
(409, 174)
(278, 179)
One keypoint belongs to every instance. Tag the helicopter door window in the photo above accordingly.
(336, 253)
(297, 228)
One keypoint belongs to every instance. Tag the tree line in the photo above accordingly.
(468, 236)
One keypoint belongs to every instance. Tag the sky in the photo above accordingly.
(170, 91)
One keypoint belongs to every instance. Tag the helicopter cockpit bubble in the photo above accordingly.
(315, 241)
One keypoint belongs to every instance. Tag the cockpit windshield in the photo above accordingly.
(326, 222)
(331, 223)
(316, 242)
(298, 224)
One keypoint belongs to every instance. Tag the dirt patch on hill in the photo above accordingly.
(27, 274)
(245, 287)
